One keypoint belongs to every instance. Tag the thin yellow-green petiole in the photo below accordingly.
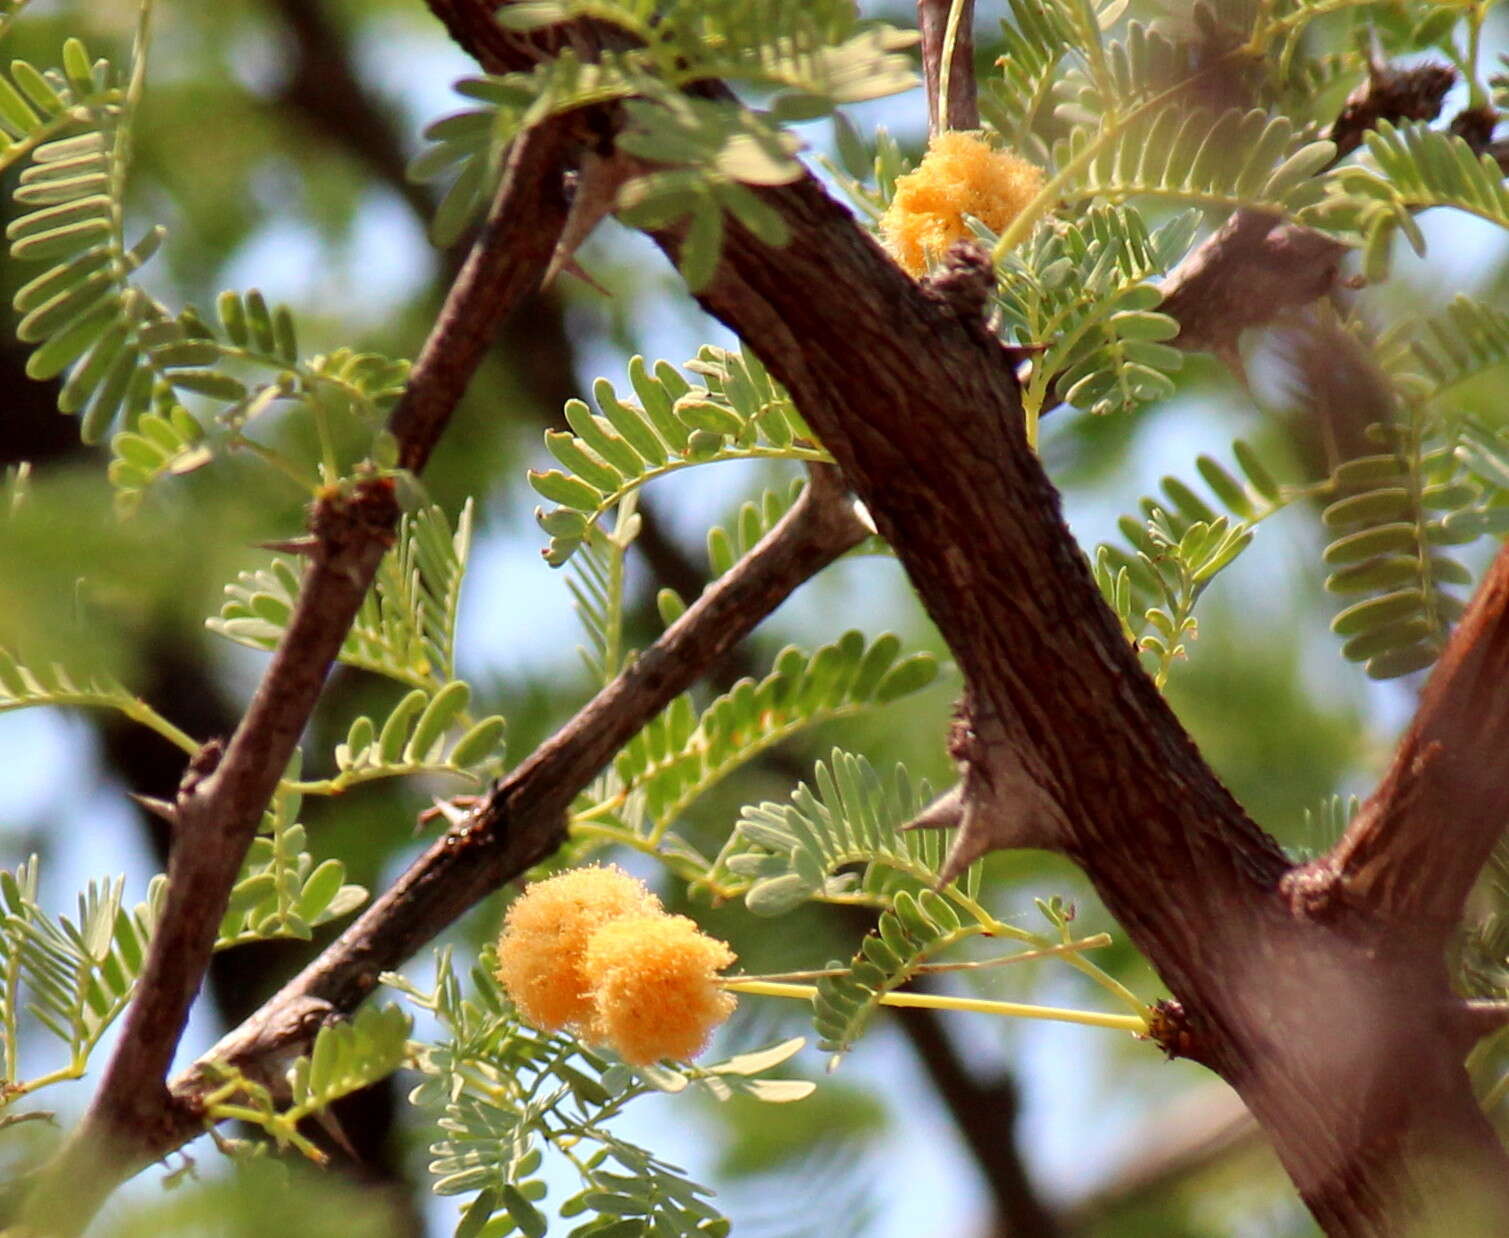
(935, 1001)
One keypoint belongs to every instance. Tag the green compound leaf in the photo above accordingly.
(349, 1056)
(841, 840)
(281, 891)
(1081, 290)
(75, 974)
(680, 755)
(738, 412)
(406, 628)
(1178, 548)
(908, 933)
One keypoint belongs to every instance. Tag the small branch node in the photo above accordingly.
(200, 767)
(964, 282)
(1174, 1030)
(997, 805)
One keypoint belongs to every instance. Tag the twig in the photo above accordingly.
(1446, 783)
(1256, 267)
(221, 801)
(948, 63)
(523, 819)
(932, 969)
(1478, 1018)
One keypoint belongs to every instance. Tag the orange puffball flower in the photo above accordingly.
(545, 937)
(961, 174)
(655, 982)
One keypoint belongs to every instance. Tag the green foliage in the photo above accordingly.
(1430, 356)
(1391, 548)
(349, 1056)
(73, 974)
(128, 360)
(596, 584)
(1034, 44)
(345, 1058)
(1176, 551)
(24, 687)
(782, 855)
(406, 629)
(680, 755)
(281, 891)
(1237, 158)
(505, 1094)
(418, 736)
(1438, 483)
(728, 543)
(910, 931)
(808, 58)
(1114, 121)
(38, 105)
(738, 412)
(1080, 289)
(1413, 168)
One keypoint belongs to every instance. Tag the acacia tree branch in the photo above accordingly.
(223, 795)
(1318, 1028)
(1446, 782)
(523, 819)
(1256, 267)
(1331, 1032)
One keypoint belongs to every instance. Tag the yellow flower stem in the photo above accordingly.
(946, 64)
(1029, 422)
(1026, 956)
(936, 1001)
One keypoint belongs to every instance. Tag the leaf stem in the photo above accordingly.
(1088, 943)
(946, 65)
(938, 1001)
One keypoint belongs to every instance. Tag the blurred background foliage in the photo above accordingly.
(272, 145)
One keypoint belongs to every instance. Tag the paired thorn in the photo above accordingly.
(593, 198)
(163, 810)
(997, 805)
(291, 546)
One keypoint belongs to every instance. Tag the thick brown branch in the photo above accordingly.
(1446, 783)
(1252, 270)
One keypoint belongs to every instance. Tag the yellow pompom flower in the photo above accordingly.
(961, 174)
(655, 981)
(545, 937)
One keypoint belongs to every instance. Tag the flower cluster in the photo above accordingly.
(594, 951)
(961, 174)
